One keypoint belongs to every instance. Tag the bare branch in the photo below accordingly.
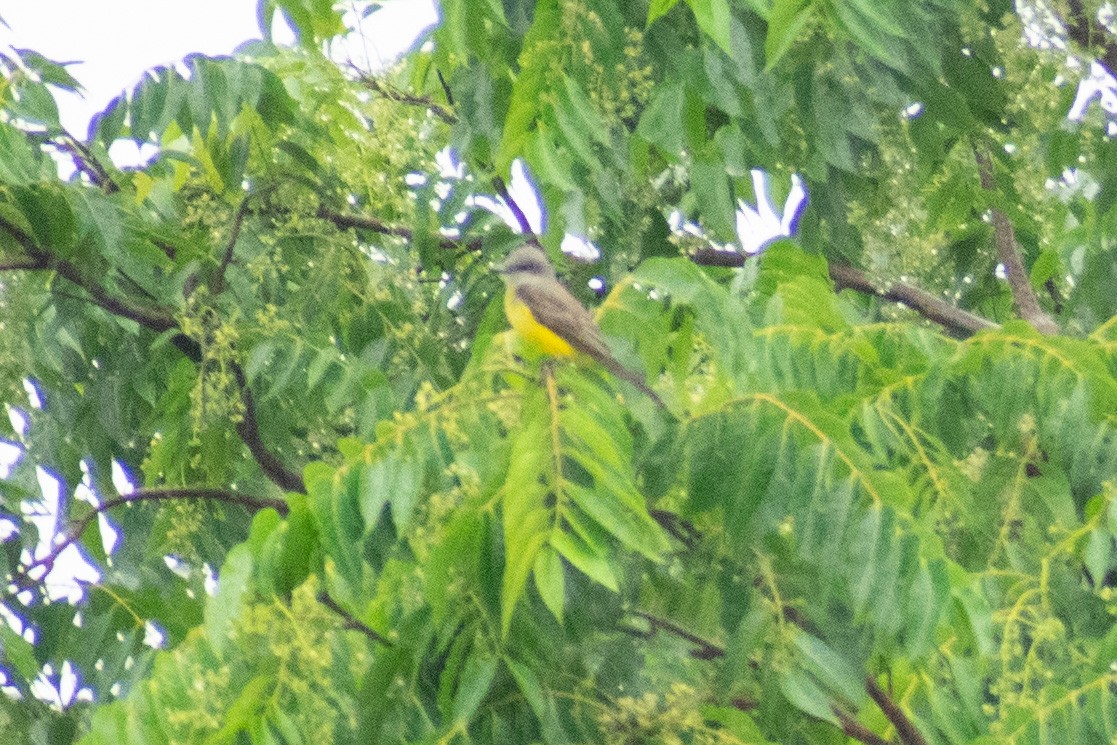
(359, 222)
(392, 93)
(249, 431)
(85, 162)
(349, 621)
(22, 264)
(955, 320)
(706, 650)
(78, 529)
(218, 284)
(1004, 237)
(905, 728)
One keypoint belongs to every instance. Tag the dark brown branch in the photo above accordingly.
(359, 222)
(248, 428)
(218, 284)
(521, 218)
(1080, 29)
(349, 622)
(706, 650)
(22, 264)
(955, 320)
(905, 728)
(853, 728)
(679, 529)
(249, 431)
(1004, 238)
(78, 529)
(445, 88)
(392, 93)
(157, 320)
(85, 162)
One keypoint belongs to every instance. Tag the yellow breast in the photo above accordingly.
(533, 333)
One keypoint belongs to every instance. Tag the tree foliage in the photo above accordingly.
(881, 505)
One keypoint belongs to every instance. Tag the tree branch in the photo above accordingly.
(248, 428)
(392, 93)
(853, 728)
(249, 431)
(76, 531)
(706, 650)
(955, 320)
(158, 320)
(85, 162)
(1004, 237)
(1081, 31)
(349, 621)
(359, 222)
(218, 284)
(905, 728)
(22, 263)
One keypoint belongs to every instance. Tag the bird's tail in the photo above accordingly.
(614, 366)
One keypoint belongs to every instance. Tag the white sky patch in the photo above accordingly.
(1099, 85)
(113, 43)
(523, 192)
(380, 38)
(33, 396)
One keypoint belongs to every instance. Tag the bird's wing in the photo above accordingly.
(554, 307)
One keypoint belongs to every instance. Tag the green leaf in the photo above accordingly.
(19, 653)
(785, 21)
(474, 684)
(830, 668)
(224, 608)
(711, 189)
(713, 18)
(659, 8)
(807, 696)
(549, 581)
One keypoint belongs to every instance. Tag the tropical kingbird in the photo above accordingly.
(549, 318)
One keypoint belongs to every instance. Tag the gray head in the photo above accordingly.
(526, 261)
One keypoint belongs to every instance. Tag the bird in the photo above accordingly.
(550, 319)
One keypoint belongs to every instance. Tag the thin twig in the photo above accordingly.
(360, 222)
(395, 94)
(87, 163)
(218, 284)
(1004, 238)
(707, 650)
(905, 728)
(349, 621)
(445, 88)
(157, 320)
(76, 531)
